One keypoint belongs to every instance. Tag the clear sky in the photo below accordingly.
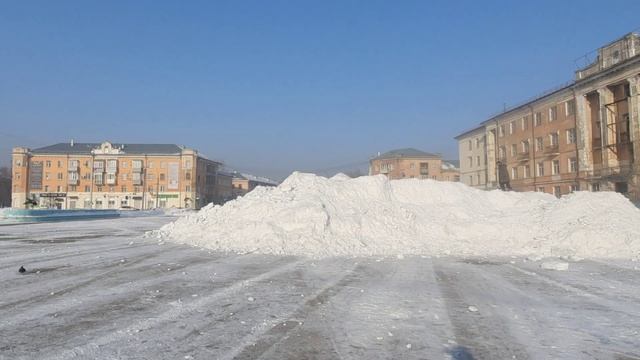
(275, 86)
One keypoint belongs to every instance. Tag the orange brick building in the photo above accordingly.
(584, 135)
(113, 176)
(412, 163)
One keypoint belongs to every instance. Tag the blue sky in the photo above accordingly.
(275, 86)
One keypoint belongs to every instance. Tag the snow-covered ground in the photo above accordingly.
(98, 289)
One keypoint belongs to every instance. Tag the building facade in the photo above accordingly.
(112, 176)
(412, 163)
(244, 183)
(473, 158)
(582, 136)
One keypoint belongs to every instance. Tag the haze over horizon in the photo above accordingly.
(272, 87)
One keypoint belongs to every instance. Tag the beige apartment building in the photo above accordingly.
(412, 163)
(473, 158)
(113, 176)
(582, 136)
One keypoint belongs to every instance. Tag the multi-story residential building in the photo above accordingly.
(473, 157)
(581, 136)
(412, 163)
(243, 183)
(110, 176)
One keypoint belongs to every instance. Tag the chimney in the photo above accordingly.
(71, 142)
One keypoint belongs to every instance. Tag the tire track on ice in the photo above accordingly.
(93, 348)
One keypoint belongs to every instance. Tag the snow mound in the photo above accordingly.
(314, 216)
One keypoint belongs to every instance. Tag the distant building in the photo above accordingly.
(473, 157)
(584, 135)
(243, 183)
(111, 176)
(412, 163)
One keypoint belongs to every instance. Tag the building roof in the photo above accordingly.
(405, 153)
(470, 131)
(85, 148)
(451, 164)
(258, 179)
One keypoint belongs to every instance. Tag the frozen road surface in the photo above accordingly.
(98, 290)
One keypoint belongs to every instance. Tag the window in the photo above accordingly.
(555, 167)
(512, 127)
(539, 143)
(46, 188)
(99, 188)
(17, 176)
(470, 179)
(124, 177)
(59, 163)
(123, 163)
(478, 160)
(514, 150)
(574, 188)
(469, 144)
(161, 177)
(87, 188)
(553, 139)
(573, 164)
(59, 188)
(73, 188)
(514, 172)
(537, 119)
(73, 164)
(150, 189)
(112, 189)
(412, 166)
(97, 178)
(151, 177)
(477, 143)
(136, 164)
(161, 187)
(188, 187)
(501, 131)
(48, 164)
(553, 113)
(136, 189)
(527, 171)
(470, 161)
(187, 175)
(556, 191)
(570, 107)
(59, 176)
(187, 164)
(571, 136)
(524, 123)
(424, 168)
(525, 146)
(150, 165)
(502, 153)
(595, 187)
(540, 189)
(18, 163)
(123, 188)
(540, 169)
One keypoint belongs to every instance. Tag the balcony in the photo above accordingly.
(523, 156)
(551, 150)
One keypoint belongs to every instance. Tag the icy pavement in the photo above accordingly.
(96, 289)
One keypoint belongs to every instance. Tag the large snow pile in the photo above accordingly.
(315, 216)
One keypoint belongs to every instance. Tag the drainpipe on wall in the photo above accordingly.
(575, 126)
(532, 147)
